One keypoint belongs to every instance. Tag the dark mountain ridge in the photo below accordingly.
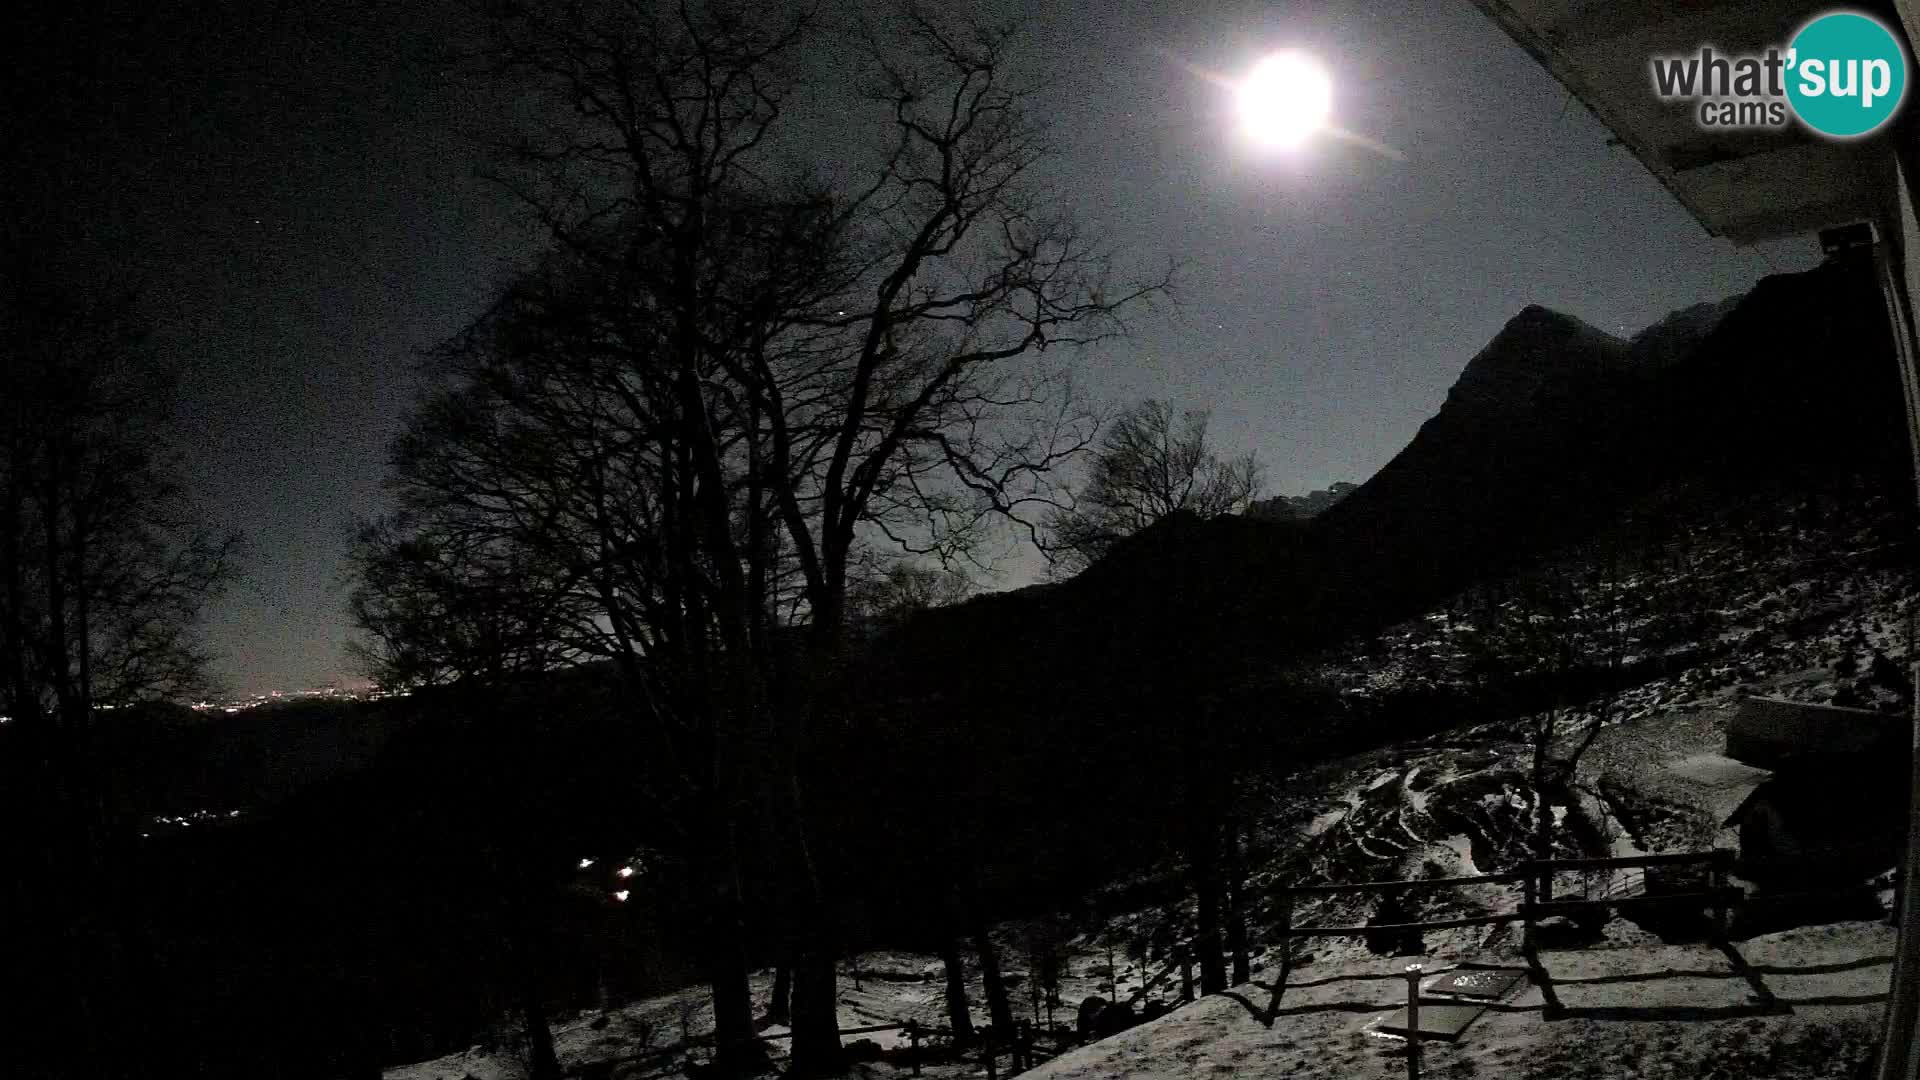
(1554, 432)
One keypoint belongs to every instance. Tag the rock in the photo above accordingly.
(1556, 930)
(598, 1023)
(861, 1050)
(1116, 1018)
(1089, 1019)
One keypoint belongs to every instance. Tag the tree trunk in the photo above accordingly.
(1543, 803)
(542, 1063)
(780, 1008)
(1236, 917)
(522, 913)
(737, 1047)
(810, 870)
(959, 1015)
(816, 1000)
(1206, 938)
(998, 1007)
(1203, 862)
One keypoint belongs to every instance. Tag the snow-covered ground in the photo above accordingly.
(1811, 613)
(892, 987)
(1632, 1011)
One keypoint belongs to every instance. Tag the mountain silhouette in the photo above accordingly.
(1553, 433)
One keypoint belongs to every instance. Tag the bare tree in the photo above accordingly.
(439, 598)
(801, 367)
(1151, 463)
(884, 595)
(104, 574)
(443, 601)
(1545, 628)
(959, 1013)
(545, 517)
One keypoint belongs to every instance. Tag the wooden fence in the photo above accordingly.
(1535, 878)
(1020, 1050)
(1533, 907)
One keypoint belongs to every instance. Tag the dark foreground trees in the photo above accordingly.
(103, 575)
(735, 375)
(439, 605)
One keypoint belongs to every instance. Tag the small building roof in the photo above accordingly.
(1774, 733)
(1720, 785)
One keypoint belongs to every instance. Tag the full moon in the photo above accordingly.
(1285, 98)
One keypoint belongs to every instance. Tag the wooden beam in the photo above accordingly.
(1737, 25)
(1629, 862)
(1396, 886)
(1405, 927)
(1554, 58)
(1548, 908)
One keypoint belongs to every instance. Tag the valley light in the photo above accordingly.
(1284, 99)
(586, 864)
(625, 871)
(621, 896)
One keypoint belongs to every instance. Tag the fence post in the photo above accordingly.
(1413, 1022)
(1186, 974)
(1717, 884)
(1026, 1045)
(1526, 905)
(1286, 935)
(986, 1051)
(913, 1042)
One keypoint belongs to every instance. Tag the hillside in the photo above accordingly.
(1555, 433)
(1715, 507)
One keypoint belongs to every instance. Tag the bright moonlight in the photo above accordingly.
(1285, 98)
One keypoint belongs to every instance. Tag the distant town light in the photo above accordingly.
(625, 871)
(586, 864)
(621, 896)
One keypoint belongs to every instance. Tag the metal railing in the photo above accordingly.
(1535, 879)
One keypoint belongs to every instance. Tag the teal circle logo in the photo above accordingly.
(1846, 74)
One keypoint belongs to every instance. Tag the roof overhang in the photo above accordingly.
(1747, 186)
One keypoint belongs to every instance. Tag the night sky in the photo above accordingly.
(295, 184)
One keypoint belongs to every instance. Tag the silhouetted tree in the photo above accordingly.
(1151, 462)
(883, 596)
(104, 574)
(999, 1006)
(806, 367)
(1556, 627)
(1236, 871)
(443, 604)
(959, 1014)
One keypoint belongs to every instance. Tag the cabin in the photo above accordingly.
(1830, 807)
(1774, 733)
(1748, 186)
